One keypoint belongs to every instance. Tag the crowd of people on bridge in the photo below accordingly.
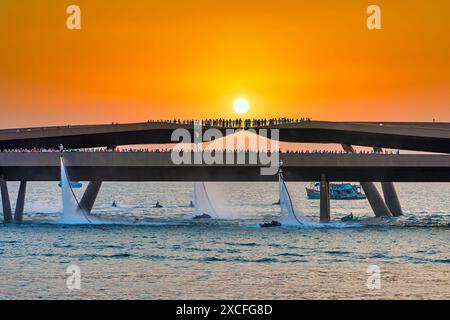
(226, 123)
(209, 150)
(236, 123)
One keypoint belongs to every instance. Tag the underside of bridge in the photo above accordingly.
(96, 168)
(115, 166)
(429, 137)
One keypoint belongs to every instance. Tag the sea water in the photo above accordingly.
(138, 251)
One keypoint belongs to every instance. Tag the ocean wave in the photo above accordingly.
(239, 259)
(337, 252)
(246, 244)
(289, 254)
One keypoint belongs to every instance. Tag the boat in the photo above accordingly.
(350, 218)
(338, 191)
(202, 216)
(73, 184)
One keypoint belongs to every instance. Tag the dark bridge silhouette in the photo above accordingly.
(430, 137)
(114, 166)
(156, 166)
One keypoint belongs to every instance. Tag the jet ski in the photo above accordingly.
(157, 205)
(114, 204)
(270, 224)
(349, 218)
(203, 216)
(276, 203)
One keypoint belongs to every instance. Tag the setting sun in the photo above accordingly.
(241, 106)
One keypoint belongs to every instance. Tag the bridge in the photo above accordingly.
(429, 137)
(156, 166)
(97, 167)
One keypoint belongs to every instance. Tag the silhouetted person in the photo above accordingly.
(349, 218)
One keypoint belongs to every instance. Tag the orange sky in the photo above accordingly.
(136, 60)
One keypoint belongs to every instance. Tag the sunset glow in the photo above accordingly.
(241, 106)
(142, 60)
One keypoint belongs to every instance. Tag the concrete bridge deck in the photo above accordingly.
(431, 137)
(114, 166)
(142, 166)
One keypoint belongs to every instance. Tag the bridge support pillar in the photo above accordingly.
(377, 203)
(18, 214)
(325, 215)
(375, 200)
(390, 195)
(7, 214)
(391, 198)
(90, 195)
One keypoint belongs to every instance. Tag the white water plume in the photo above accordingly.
(208, 199)
(71, 212)
(289, 217)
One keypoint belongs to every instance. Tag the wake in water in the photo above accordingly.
(72, 212)
(213, 199)
(207, 202)
(203, 204)
(209, 198)
(293, 218)
(289, 217)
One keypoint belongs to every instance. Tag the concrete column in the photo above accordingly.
(18, 214)
(325, 215)
(377, 203)
(390, 195)
(391, 198)
(90, 195)
(7, 214)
